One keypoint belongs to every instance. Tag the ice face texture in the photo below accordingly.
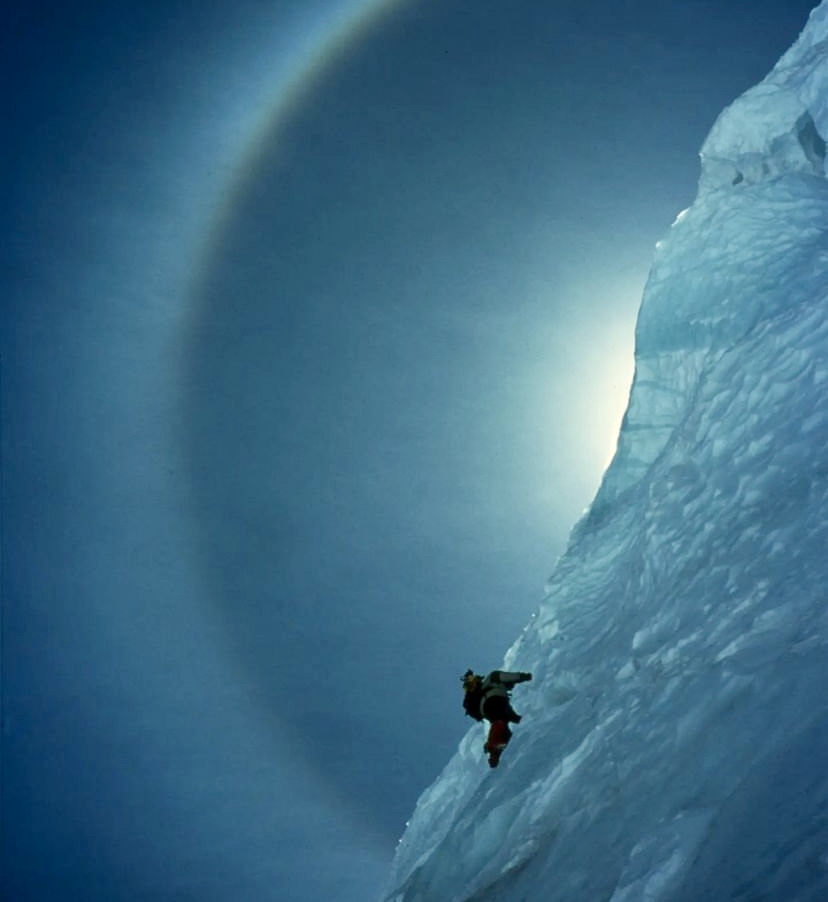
(675, 738)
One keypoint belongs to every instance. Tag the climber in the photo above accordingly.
(488, 697)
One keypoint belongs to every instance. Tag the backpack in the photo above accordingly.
(472, 699)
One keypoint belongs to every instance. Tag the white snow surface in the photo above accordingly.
(675, 739)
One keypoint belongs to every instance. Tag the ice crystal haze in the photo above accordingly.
(675, 740)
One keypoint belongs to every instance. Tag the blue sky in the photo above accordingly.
(313, 352)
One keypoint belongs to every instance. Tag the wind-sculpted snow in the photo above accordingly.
(675, 737)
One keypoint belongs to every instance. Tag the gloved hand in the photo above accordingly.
(525, 677)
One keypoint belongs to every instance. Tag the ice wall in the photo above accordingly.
(675, 736)
(738, 254)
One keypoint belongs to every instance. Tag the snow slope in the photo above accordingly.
(675, 738)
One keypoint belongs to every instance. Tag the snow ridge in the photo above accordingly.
(675, 733)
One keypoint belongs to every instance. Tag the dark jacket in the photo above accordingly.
(491, 700)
